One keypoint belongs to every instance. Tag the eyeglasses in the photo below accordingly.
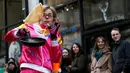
(49, 15)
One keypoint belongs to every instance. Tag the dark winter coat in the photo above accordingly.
(121, 57)
(64, 64)
(78, 64)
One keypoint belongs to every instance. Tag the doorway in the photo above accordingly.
(92, 34)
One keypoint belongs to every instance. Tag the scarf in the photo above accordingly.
(98, 54)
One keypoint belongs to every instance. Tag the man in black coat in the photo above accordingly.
(120, 53)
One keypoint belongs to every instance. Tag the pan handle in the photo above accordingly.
(28, 34)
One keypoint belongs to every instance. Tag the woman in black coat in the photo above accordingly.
(66, 61)
(78, 64)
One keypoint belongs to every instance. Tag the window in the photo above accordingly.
(104, 11)
(70, 24)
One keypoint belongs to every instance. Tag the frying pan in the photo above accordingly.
(32, 41)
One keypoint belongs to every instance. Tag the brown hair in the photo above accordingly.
(80, 50)
(106, 47)
(117, 29)
(52, 9)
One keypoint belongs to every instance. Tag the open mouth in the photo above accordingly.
(46, 21)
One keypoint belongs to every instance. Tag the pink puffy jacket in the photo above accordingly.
(37, 58)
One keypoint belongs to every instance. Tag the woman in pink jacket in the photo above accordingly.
(39, 59)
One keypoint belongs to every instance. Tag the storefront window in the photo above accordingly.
(128, 8)
(104, 11)
(70, 24)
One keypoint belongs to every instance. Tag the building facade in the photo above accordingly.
(83, 20)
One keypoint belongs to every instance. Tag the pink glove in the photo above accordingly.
(22, 32)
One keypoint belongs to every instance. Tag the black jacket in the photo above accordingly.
(121, 57)
(64, 64)
(78, 64)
